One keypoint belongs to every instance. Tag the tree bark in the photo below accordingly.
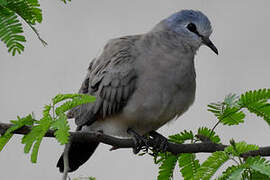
(205, 147)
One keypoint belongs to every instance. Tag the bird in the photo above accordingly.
(140, 82)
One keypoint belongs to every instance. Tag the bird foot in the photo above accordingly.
(141, 142)
(160, 142)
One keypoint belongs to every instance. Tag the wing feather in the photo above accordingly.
(111, 78)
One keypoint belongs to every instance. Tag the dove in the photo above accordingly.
(141, 82)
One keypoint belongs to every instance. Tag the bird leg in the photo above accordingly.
(161, 143)
(141, 142)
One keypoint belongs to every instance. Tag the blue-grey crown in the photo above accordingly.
(186, 16)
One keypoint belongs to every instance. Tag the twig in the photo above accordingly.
(207, 147)
(66, 161)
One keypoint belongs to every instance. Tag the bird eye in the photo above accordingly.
(191, 27)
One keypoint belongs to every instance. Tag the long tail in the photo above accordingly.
(79, 153)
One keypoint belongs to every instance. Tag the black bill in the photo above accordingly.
(206, 41)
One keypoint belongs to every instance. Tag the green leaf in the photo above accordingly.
(251, 97)
(10, 25)
(181, 137)
(61, 97)
(159, 157)
(218, 108)
(211, 165)
(17, 124)
(29, 139)
(228, 112)
(262, 109)
(46, 111)
(10, 31)
(76, 101)
(167, 167)
(4, 139)
(65, 1)
(256, 102)
(188, 165)
(29, 10)
(259, 164)
(231, 100)
(209, 134)
(231, 116)
(35, 136)
(239, 148)
(233, 173)
(35, 149)
(3, 2)
(256, 175)
(62, 129)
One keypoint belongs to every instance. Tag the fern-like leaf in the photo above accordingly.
(256, 175)
(76, 101)
(65, 1)
(167, 167)
(61, 127)
(35, 136)
(256, 102)
(258, 168)
(261, 108)
(25, 121)
(211, 165)
(259, 164)
(61, 97)
(236, 149)
(228, 112)
(181, 137)
(11, 31)
(233, 173)
(3, 2)
(251, 97)
(29, 10)
(231, 116)
(188, 165)
(209, 134)
(10, 26)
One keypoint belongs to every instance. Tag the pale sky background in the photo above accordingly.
(77, 32)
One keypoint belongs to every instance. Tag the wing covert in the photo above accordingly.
(111, 78)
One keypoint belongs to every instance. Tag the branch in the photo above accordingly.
(206, 147)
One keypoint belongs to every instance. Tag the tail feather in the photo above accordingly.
(79, 153)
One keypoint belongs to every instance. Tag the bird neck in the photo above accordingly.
(160, 36)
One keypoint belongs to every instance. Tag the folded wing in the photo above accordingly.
(111, 78)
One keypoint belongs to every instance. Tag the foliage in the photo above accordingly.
(53, 118)
(167, 167)
(28, 120)
(65, 1)
(188, 165)
(181, 137)
(228, 112)
(206, 134)
(13, 13)
(256, 102)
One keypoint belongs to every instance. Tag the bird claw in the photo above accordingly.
(141, 142)
(160, 142)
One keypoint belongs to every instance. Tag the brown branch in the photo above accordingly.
(206, 147)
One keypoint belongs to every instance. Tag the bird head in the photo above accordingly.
(192, 27)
